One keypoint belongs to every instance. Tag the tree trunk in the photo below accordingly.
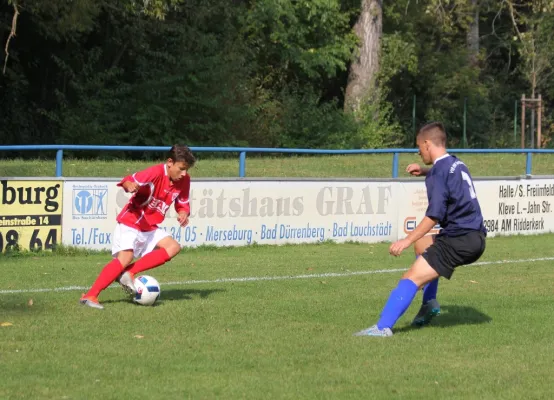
(364, 69)
(473, 34)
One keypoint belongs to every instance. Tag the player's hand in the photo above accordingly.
(183, 219)
(414, 169)
(131, 187)
(397, 247)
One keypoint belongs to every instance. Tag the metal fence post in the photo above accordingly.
(528, 164)
(395, 165)
(242, 164)
(59, 160)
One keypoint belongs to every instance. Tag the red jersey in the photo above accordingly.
(147, 208)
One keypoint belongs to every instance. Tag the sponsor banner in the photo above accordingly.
(518, 206)
(89, 213)
(30, 214)
(413, 204)
(236, 213)
(509, 207)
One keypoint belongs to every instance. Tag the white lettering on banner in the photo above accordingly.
(341, 200)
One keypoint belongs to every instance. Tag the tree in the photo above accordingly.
(533, 33)
(362, 79)
(473, 32)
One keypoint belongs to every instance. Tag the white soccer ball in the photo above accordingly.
(148, 290)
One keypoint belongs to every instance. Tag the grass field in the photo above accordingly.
(283, 333)
(369, 165)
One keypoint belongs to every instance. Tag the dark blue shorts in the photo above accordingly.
(448, 252)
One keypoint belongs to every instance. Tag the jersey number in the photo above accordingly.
(466, 178)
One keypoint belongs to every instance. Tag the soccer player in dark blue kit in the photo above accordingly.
(452, 203)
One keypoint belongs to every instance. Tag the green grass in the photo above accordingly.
(369, 165)
(283, 338)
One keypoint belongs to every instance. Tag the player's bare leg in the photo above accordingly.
(166, 249)
(401, 297)
(420, 272)
(170, 245)
(422, 244)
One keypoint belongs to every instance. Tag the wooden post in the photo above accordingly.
(539, 120)
(522, 121)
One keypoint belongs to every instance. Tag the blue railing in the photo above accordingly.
(243, 150)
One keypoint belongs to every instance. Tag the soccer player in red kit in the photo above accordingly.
(137, 235)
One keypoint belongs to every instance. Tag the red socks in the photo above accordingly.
(109, 274)
(114, 268)
(150, 260)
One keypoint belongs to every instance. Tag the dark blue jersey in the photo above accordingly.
(452, 198)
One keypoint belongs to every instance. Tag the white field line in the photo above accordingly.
(274, 278)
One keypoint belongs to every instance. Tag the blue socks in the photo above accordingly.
(398, 302)
(430, 290)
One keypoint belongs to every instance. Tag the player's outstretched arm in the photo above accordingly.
(421, 230)
(417, 170)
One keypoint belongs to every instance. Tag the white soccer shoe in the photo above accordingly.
(126, 280)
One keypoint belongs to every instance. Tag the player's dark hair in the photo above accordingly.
(182, 153)
(434, 132)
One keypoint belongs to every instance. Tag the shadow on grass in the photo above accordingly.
(453, 315)
(175, 294)
(187, 294)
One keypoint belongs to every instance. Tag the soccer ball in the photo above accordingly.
(148, 290)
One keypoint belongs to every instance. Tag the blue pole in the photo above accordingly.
(59, 160)
(528, 163)
(242, 164)
(395, 165)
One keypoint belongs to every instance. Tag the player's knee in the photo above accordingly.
(173, 249)
(417, 280)
(125, 257)
(420, 273)
(422, 244)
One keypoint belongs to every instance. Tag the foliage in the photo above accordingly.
(307, 122)
(306, 39)
(266, 72)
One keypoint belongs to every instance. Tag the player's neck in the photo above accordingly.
(166, 168)
(441, 153)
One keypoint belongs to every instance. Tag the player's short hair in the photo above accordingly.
(182, 153)
(434, 132)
